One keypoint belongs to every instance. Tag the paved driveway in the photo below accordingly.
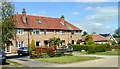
(31, 63)
(106, 61)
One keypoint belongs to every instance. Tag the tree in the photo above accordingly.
(117, 33)
(54, 41)
(93, 32)
(85, 33)
(32, 46)
(78, 41)
(89, 40)
(7, 23)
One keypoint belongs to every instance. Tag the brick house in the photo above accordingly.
(41, 29)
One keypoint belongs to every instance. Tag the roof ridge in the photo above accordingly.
(38, 16)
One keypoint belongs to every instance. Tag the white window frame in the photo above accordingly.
(74, 32)
(20, 44)
(62, 32)
(34, 31)
(38, 21)
(20, 31)
(45, 31)
(55, 32)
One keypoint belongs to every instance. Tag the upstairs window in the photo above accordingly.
(73, 32)
(38, 21)
(20, 31)
(62, 32)
(55, 32)
(45, 32)
(36, 31)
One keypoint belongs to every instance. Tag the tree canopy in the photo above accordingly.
(54, 41)
(117, 33)
(7, 22)
(89, 40)
(85, 33)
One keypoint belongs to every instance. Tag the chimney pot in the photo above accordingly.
(24, 16)
(62, 19)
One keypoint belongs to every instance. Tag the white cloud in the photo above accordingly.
(101, 20)
(89, 8)
(42, 12)
(75, 13)
(39, 13)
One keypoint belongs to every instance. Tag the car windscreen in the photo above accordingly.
(23, 48)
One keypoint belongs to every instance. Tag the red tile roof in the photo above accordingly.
(97, 38)
(46, 23)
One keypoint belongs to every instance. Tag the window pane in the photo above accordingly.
(45, 32)
(38, 21)
(54, 31)
(37, 43)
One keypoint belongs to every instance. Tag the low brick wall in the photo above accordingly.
(41, 50)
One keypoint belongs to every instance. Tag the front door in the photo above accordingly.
(8, 48)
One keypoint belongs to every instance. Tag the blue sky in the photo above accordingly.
(100, 17)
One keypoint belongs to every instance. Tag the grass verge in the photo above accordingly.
(10, 63)
(115, 53)
(66, 59)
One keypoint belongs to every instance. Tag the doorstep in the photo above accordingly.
(10, 54)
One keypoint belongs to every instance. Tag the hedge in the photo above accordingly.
(91, 48)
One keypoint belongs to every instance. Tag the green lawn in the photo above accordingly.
(66, 59)
(108, 53)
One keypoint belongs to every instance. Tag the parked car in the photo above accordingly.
(69, 49)
(23, 51)
(2, 57)
(66, 49)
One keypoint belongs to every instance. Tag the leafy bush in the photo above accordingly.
(50, 52)
(32, 49)
(83, 51)
(45, 56)
(32, 46)
(91, 48)
(59, 53)
(78, 41)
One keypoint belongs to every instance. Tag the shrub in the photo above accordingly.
(91, 48)
(50, 52)
(32, 49)
(45, 56)
(78, 41)
(83, 51)
(59, 53)
(32, 46)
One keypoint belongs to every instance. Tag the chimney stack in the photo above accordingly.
(17, 12)
(62, 19)
(24, 19)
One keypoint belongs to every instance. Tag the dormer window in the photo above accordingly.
(38, 21)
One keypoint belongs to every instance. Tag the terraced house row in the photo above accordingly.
(41, 29)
